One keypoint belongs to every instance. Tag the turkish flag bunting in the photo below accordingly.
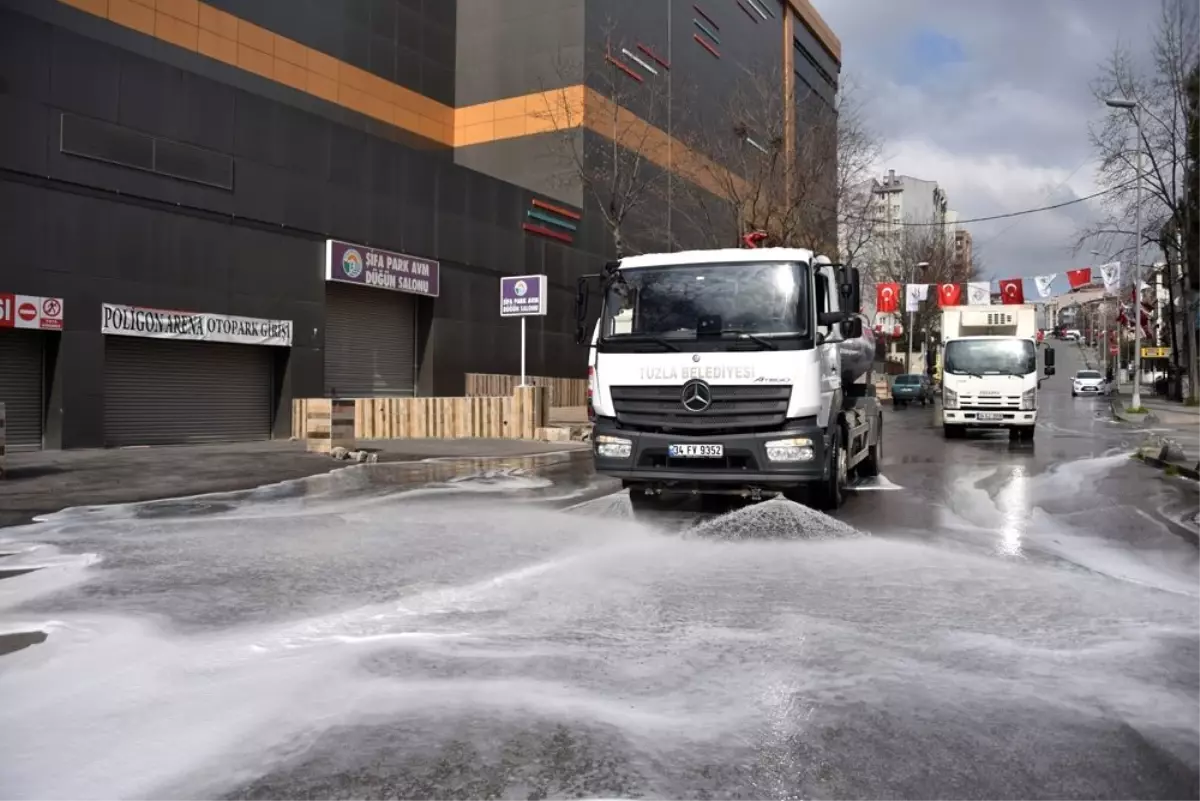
(887, 298)
(949, 294)
(1079, 278)
(1012, 291)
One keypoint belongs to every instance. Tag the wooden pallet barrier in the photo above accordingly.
(562, 391)
(329, 424)
(518, 416)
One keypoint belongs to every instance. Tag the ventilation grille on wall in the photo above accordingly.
(115, 144)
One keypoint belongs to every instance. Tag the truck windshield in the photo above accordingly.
(990, 357)
(759, 300)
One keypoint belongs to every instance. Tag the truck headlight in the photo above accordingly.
(796, 449)
(1028, 400)
(949, 399)
(613, 447)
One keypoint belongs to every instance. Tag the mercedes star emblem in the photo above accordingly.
(696, 396)
(695, 357)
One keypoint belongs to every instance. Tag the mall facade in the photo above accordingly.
(213, 208)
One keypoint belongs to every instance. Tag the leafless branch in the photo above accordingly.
(605, 121)
(760, 163)
(1161, 93)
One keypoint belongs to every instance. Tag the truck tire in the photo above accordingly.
(870, 467)
(828, 494)
(953, 432)
(1022, 433)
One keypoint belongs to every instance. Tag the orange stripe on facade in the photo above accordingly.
(207, 30)
(199, 27)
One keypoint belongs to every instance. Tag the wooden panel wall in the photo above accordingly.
(562, 391)
(517, 416)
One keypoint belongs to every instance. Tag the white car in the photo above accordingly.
(1088, 382)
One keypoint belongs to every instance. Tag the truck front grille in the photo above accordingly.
(734, 408)
(989, 402)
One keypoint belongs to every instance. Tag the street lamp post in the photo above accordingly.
(912, 277)
(1133, 106)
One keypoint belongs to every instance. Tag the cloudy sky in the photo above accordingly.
(991, 99)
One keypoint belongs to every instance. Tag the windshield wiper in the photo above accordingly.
(748, 336)
(647, 338)
(966, 373)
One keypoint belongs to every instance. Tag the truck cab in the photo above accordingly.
(990, 369)
(721, 372)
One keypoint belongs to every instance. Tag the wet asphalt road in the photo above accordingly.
(993, 620)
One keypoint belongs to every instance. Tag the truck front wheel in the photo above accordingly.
(953, 432)
(828, 494)
(1021, 433)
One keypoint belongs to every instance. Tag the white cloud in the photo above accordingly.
(1006, 129)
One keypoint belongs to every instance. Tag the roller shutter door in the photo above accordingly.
(21, 382)
(159, 392)
(370, 342)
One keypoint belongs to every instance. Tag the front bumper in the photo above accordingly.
(1089, 389)
(744, 463)
(1004, 418)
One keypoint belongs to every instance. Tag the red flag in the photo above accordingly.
(1079, 278)
(949, 294)
(1012, 292)
(887, 298)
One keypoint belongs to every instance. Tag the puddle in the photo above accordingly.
(8, 573)
(343, 639)
(12, 642)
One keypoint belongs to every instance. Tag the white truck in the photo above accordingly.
(990, 369)
(731, 371)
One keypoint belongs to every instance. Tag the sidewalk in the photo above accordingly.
(1168, 423)
(40, 482)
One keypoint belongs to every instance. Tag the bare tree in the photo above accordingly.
(762, 163)
(606, 120)
(858, 155)
(1164, 92)
(896, 251)
(1161, 94)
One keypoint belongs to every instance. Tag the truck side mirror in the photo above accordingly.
(1048, 361)
(830, 318)
(852, 328)
(851, 289)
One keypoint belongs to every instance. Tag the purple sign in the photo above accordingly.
(522, 295)
(381, 269)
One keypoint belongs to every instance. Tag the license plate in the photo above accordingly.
(990, 416)
(696, 451)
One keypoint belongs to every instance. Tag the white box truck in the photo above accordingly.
(990, 369)
(731, 371)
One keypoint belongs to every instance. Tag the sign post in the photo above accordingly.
(523, 296)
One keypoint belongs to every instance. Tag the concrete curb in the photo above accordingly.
(1116, 405)
(1183, 470)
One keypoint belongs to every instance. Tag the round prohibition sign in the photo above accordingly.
(51, 307)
